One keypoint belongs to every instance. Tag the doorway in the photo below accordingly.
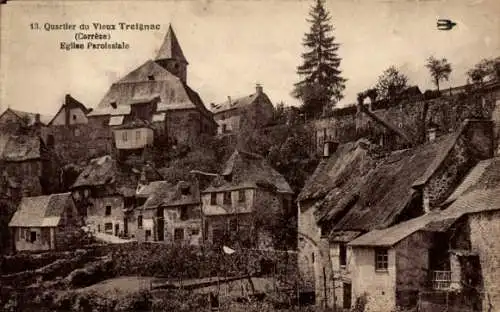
(347, 291)
(160, 229)
(125, 227)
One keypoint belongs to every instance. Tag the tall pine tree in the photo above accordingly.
(321, 86)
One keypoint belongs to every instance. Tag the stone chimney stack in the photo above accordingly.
(229, 99)
(258, 88)
(37, 119)
(329, 147)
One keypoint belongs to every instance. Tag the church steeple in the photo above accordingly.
(171, 57)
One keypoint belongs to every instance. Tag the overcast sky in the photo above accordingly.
(231, 45)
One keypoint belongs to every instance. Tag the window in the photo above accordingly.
(151, 77)
(213, 199)
(312, 257)
(98, 228)
(184, 213)
(32, 236)
(124, 135)
(342, 255)
(108, 210)
(224, 128)
(74, 117)
(139, 222)
(241, 196)
(138, 135)
(233, 225)
(50, 140)
(108, 227)
(76, 132)
(381, 259)
(227, 198)
(179, 234)
(195, 232)
(148, 233)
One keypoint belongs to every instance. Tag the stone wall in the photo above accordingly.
(309, 236)
(81, 142)
(473, 145)
(379, 287)
(447, 112)
(412, 267)
(485, 230)
(183, 126)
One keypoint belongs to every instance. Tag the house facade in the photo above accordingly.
(169, 213)
(245, 203)
(248, 112)
(105, 195)
(44, 222)
(357, 190)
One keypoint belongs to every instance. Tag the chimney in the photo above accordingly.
(258, 88)
(37, 119)
(329, 148)
(229, 99)
(431, 134)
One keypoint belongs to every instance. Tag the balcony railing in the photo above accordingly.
(441, 280)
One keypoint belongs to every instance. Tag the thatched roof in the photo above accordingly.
(387, 190)
(107, 171)
(238, 102)
(247, 170)
(41, 211)
(477, 193)
(162, 193)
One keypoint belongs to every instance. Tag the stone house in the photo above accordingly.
(358, 189)
(245, 203)
(179, 113)
(105, 194)
(16, 121)
(43, 222)
(30, 166)
(449, 252)
(71, 124)
(249, 112)
(169, 212)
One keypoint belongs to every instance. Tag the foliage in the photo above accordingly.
(321, 83)
(439, 69)
(6, 212)
(360, 304)
(291, 157)
(181, 301)
(391, 82)
(488, 69)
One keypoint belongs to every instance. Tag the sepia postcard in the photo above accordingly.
(257, 155)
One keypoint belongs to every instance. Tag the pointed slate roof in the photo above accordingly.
(171, 49)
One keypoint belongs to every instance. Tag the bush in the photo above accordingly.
(92, 273)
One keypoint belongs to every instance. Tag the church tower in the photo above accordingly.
(170, 56)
